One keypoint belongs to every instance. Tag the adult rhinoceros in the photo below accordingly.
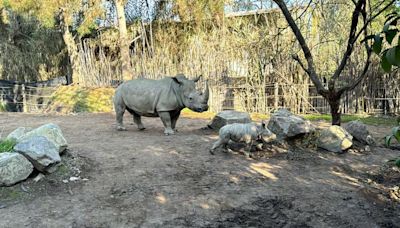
(164, 98)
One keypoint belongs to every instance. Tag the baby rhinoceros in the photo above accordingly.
(247, 133)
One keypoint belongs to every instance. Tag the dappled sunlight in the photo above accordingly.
(234, 179)
(205, 206)
(160, 198)
(264, 169)
(351, 180)
(156, 150)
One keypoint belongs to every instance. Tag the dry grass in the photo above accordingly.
(69, 99)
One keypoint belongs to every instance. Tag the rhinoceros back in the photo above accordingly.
(239, 132)
(147, 97)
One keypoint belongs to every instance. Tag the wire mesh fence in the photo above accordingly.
(298, 98)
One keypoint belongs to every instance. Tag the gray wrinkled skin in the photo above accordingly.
(164, 98)
(245, 133)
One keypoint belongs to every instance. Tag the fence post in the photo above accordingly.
(24, 107)
(276, 96)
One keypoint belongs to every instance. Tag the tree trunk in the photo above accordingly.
(123, 41)
(334, 103)
(72, 54)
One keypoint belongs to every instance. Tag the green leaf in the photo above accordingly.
(397, 162)
(386, 66)
(396, 133)
(390, 34)
(388, 138)
(386, 27)
(377, 46)
(393, 56)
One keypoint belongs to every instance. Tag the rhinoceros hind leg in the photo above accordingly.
(138, 121)
(166, 119)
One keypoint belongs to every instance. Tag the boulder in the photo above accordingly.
(40, 151)
(14, 167)
(335, 139)
(52, 132)
(229, 117)
(285, 124)
(17, 134)
(360, 132)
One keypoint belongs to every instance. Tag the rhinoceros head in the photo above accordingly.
(191, 98)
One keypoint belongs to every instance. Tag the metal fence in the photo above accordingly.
(25, 98)
(299, 98)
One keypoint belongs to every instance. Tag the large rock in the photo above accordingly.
(285, 124)
(229, 117)
(360, 132)
(335, 139)
(14, 167)
(17, 134)
(40, 151)
(52, 132)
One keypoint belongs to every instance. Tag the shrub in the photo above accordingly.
(7, 145)
(395, 134)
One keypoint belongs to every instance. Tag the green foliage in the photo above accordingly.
(7, 145)
(29, 51)
(395, 134)
(383, 42)
(397, 162)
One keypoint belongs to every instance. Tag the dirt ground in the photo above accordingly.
(145, 179)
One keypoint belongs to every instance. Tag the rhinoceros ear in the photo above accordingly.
(197, 78)
(179, 78)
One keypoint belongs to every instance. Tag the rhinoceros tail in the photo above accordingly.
(130, 110)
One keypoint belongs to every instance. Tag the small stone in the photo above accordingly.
(65, 181)
(85, 179)
(74, 178)
(23, 188)
(367, 149)
(2, 206)
(38, 177)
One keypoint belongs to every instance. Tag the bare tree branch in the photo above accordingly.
(296, 57)
(306, 50)
(354, 36)
(351, 40)
(368, 60)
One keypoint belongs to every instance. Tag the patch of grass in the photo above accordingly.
(2, 107)
(7, 145)
(63, 170)
(370, 120)
(197, 115)
(69, 99)
(209, 115)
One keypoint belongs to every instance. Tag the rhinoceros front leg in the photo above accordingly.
(138, 121)
(119, 115)
(174, 119)
(166, 119)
